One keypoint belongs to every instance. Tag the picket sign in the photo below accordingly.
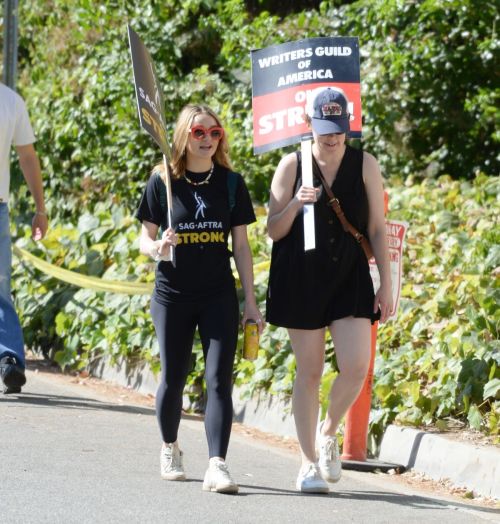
(151, 112)
(396, 232)
(285, 79)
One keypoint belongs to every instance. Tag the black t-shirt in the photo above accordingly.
(202, 220)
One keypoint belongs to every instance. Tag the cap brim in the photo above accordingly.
(326, 127)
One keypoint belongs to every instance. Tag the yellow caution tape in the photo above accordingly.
(261, 266)
(98, 284)
(77, 279)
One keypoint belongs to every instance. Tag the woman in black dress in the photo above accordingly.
(329, 287)
(209, 203)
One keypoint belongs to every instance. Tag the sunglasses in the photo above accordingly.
(200, 132)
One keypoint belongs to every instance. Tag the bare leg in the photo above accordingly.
(351, 337)
(309, 349)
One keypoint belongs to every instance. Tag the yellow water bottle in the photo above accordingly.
(250, 340)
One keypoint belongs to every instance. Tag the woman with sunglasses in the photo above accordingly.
(330, 286)
(199, 291)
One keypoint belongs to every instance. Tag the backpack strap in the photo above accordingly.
(232, 183)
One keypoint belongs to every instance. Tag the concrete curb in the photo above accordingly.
(476, 468)
(140, 378)
(269, 413)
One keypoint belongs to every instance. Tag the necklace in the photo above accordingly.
(205, 181)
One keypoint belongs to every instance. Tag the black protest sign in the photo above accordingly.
(148, 92)
(286, 76)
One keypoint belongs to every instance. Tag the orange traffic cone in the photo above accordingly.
(357, 418)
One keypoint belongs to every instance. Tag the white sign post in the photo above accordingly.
(307, 180)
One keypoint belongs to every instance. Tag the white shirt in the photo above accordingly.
(15, 129)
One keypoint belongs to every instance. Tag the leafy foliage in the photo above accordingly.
(430, 84)
(441, 360)
(76, 326)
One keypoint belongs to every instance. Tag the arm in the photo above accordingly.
(30, 166)
(243, 259)
(377, 234)
(148, 245)
(283, 206)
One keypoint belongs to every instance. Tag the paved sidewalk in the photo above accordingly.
(463, 464)
(69, 455)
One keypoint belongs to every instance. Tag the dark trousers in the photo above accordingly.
(217, 321)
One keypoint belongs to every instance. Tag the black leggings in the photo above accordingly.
(175, 324)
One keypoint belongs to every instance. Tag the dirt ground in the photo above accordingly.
(121, 395)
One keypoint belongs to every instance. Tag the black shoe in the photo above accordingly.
(12, 375)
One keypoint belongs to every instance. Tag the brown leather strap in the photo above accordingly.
(346, 225)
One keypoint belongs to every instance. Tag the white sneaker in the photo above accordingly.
(217, 478)
(171, 463)
(329, 458)
(311, 481)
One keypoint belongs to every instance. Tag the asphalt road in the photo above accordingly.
(69, 455)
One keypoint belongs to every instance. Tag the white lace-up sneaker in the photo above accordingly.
(311, 481)
(217, 478)
(329, 458)
(171, 463)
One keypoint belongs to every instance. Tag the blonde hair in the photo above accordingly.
(184, 122)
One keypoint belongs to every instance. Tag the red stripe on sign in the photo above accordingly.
(280, 115)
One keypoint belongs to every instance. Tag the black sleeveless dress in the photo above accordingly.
(310, 289)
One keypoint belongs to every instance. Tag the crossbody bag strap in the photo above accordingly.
(346, 225)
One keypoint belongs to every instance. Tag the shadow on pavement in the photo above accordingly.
(416, 501)
(60, 401)
(265, 490)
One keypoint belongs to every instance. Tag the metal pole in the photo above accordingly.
(10, 20)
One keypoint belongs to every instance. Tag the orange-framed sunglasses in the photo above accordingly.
(200, 132)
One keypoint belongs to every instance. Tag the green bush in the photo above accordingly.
(430, 87)
(440, 361)
(76, 326)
